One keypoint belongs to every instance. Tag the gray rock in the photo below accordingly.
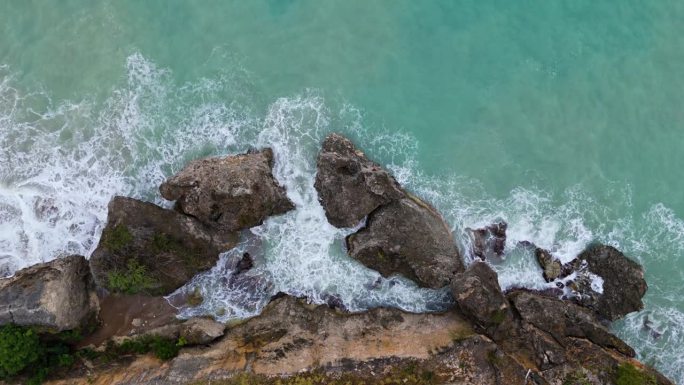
(623, 281)
(479, 297)
(57, 295)
(410, 238)
(349, 185)
(230, 193)
(200, 331)
(563, 319)
(489, 241)
(147, 249)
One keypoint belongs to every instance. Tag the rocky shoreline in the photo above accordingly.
(98, 321)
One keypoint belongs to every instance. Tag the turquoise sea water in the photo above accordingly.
(564, 118)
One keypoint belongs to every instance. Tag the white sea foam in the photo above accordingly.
(62, 161)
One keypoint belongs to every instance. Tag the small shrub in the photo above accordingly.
(163, 348)
(627, 374)
(24, 352)
(133, 280)
(117, 238)
(19, 348)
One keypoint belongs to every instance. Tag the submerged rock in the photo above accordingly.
(349, 185)
(552, 268)
(147, 249)
(229, 193)
(623, 281)
(410, 238)
(58, 295)
(479, 297)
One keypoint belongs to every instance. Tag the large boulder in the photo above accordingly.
(230, 193)
(479, 297)
(57, 295)
(410, 238)
(623, 281)
(147, 249)
(349, 185)
(563, 319)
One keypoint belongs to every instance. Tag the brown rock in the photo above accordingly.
(349, 185)
(200, 331)
(479, 297)
(623, 281)
(58, 295)
(489, 241)
(230, 193)
(410, 238)
(562, 319)
(147, 249)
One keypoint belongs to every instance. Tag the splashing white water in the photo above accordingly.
(61, 162)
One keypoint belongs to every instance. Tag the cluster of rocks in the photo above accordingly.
(402, 233)
(516, 337)
(148, 250)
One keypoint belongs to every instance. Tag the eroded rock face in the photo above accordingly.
(229, 193)
(562, 319)
(349, 185)
(57, 295)
(200, 331)
(623, 281)
(147, 249)
(489, 241)
(410, 238)
(478, 295)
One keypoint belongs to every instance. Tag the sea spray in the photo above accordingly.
(63, 160)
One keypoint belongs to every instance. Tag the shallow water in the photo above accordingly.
(564, 119)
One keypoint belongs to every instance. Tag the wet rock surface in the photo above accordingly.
(623, 281)
(229, 193)
(563, 319)
(56, 296)
(489, 241)
(410, 238)
(147, 249)
(479, 297)
(349, 185)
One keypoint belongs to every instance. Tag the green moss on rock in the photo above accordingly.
(133, 279)
(628, 374)
(117, 238)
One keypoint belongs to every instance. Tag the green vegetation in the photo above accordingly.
(163, 348)
(161, 243)
(576, 378)
(117, 238)
(499, 316)
(408, 375)
(19, 348)
(23, 352)
(628, 374)
(134, 279)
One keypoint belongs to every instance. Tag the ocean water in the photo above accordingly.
(565, 119)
